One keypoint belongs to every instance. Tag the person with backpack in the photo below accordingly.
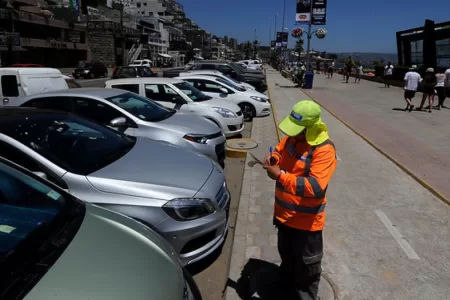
(428, 86)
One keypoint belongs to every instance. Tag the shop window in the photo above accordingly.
(443, 53)
(417, 53)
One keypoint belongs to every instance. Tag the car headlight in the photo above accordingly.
(187, 209)
(86, 71)
(201, 139)
(260, 99)
(226, 113)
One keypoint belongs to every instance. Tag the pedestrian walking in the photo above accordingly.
(348, 68)
(411, 82)
(359, 72)
(447, 83)
(331, 69)
(302, 165)
(325, 68)
(440, 90)
(388, 70)
(428, 86)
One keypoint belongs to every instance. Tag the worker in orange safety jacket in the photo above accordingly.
(302, 165)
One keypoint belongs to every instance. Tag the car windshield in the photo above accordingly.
(238, 67)
(192, 92)
(143, 108)
(25, 204)
(75, 144)
(232, 79)
(230, 84)
(37, 223)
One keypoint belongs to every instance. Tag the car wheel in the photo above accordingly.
(92, 75)
(76, 77)
(248, 110)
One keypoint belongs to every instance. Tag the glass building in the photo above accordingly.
(427, 46)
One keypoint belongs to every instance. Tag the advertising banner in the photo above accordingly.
(319, 12)
(303, 15)
(284, 39)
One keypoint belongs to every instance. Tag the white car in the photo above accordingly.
(252, 64)
(143, 62)
(180, 95)
(252, 103)
(218, 74)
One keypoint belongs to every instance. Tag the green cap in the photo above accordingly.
(305, 114)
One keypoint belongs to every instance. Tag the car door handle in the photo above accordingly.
(5, 100)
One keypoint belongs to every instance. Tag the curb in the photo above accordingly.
(422, 182)
(274, 113)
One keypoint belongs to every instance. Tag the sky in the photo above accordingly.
(352, 25)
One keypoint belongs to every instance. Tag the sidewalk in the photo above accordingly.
(386, 236)
(417, 141)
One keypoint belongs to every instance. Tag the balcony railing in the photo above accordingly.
(111, 26)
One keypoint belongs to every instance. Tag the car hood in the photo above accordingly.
(255, 93)
(175, 69)
(112, 257)
(221, 103)
(252, 75)
(189, 123)
(253, 71)
(80, 69)
(156, 170)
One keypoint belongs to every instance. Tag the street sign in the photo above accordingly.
(15, 38)
(303, 15)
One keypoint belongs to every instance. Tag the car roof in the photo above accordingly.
(200, 76)
(8, 114)
(32, 70)
(146, 79)
(213, 62)
(94, 92)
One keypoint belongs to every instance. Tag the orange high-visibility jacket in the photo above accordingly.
(300, 189)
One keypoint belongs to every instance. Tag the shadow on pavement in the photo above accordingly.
(399, 109)
(259, 280)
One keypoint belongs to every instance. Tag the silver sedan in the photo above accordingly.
(136, 116)
(179, 193)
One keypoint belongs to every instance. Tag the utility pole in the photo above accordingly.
(275, 28)
(122, 34)
(309, 41)
(282, 32)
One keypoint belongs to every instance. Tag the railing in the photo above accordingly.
(111, 26)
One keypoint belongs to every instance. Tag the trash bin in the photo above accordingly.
(309, 78)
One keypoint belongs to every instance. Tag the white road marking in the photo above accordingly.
(397, 235)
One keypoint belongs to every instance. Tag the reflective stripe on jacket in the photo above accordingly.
(300, 190)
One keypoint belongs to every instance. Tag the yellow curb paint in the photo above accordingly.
(237, 153)
(425, 184)
(274, 113)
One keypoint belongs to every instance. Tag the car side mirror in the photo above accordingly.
(178, 99)
(118, 122)
(41, 174)
(223, 90)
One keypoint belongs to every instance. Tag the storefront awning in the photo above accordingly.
(165, 55)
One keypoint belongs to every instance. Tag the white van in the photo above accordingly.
(19, 82)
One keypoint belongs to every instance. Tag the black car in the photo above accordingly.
(90, 70)
(133, 72)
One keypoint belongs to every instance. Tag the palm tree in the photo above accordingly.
(247, 48)
(299, 47)
(255, 48)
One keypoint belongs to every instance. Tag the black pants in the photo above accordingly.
(440, 91)
(301, 255)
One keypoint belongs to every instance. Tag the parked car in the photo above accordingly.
(178, 94)
(253, 77)
(142, 62)
(71, 83)
(180, 194)
(133, 72)
(20, 82)
(252, 64)
(174, 72)
(218, 74)
(55, 246)
(252, 103)
(90, 70)
(134, 115)
(27, 66)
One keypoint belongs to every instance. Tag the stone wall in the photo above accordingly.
(101, 46)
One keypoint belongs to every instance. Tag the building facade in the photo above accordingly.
(41, 36)
(427, 46)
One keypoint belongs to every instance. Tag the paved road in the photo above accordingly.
(386, 236)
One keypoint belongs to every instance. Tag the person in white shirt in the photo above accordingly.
(412, 80)
(359, 72)
(447, 82)
(388, 69)
(440, 89)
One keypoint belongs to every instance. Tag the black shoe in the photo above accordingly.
(411, 107)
